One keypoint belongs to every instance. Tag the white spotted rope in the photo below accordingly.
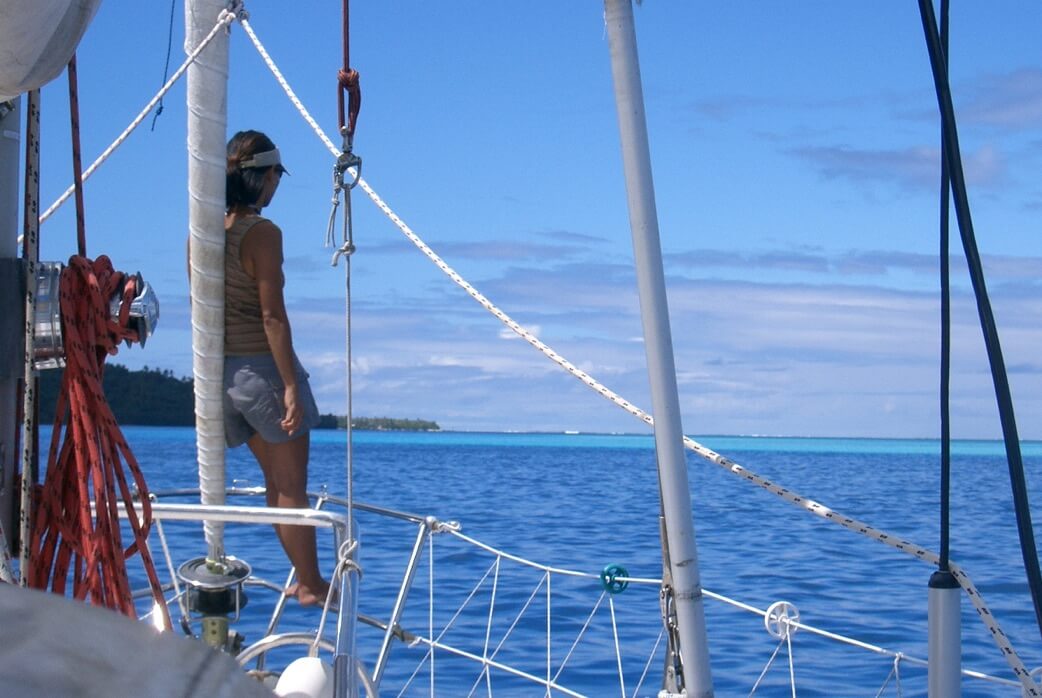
(223, 20)
(32, 258)
(1000, 638)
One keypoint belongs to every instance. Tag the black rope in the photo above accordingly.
(987, 319)
(166, 65)
(946, 328)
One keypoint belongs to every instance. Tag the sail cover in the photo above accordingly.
(37, 39)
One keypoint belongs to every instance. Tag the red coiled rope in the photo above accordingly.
(67, 536)
(88, 465)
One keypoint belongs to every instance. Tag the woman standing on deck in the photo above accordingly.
(268, 403)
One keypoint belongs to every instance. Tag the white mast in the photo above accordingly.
(207, 126)
(658, 342)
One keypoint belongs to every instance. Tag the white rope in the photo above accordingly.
(455, 616)
(488, 633)
(618, 650)
(763, 673)
(430, 604)
(344, 563)
(548, 633)
(579, 636)
(31, 247)
(497, 665)
(287, 89)
(731, 602)
(223, 20)
(486, 661)
(170, 567)
(894, 671)
(647, 664)
(810, 505)
(520, 613)
(792, 662)
(544, 568)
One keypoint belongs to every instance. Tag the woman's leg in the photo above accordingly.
(285, 468)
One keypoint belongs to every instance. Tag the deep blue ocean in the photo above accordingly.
(580, 502)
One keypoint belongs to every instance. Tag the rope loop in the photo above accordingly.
(345, 250)
(236, 11)
(348, 82)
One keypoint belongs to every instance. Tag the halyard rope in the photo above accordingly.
(30, 383)
(810, 505)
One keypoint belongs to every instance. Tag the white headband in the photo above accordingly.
(268, 158)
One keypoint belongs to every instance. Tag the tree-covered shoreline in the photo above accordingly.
(156, 397)
(333, 421)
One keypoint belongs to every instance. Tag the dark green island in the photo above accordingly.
(155, 397)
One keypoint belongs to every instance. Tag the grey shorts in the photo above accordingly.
(253, 400)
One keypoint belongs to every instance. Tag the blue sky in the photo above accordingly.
(795, 154)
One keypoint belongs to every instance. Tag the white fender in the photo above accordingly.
(307, 677)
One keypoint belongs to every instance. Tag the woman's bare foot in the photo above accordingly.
(309, 595)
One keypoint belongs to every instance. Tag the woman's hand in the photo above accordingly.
(294, 416)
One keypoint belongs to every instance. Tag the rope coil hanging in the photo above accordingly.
(70, 532)
(76, 526)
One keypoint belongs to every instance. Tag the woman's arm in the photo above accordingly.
(262, 257)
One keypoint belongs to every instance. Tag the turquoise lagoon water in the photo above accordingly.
(583, 501)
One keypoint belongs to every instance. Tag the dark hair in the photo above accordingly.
(243, 187)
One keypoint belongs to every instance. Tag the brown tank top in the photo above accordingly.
(243, 323)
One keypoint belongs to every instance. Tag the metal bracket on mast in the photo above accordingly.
(673, 668)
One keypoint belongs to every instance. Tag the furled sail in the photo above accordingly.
(37, 39)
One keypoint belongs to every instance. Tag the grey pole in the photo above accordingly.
(658, 343)
(944, 675)
(12, 341)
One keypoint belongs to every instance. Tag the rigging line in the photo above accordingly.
(166, 64)
(492, 663)
(347, 80)
(350, 402)
(987, 320)
(582, 632)
(618, 650)
(792, 663)
(946, 327)
(766, 668)
(647, 665)
(430, 602)
(488, 629)
(31, 254)
(548, 661)
(77, 164)
(222, 21)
